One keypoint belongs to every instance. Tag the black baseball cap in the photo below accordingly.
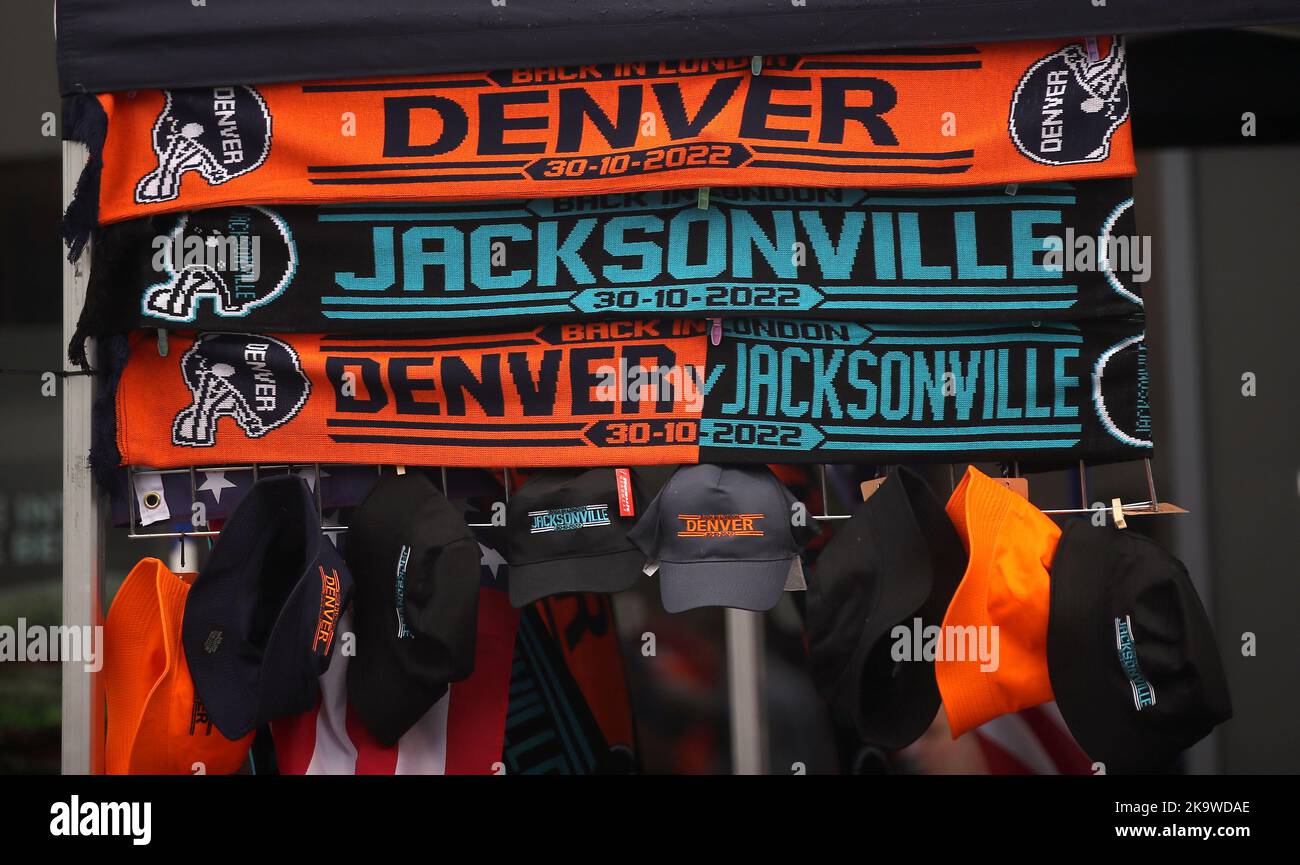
(416, 566)
(260, 620)
(568, 532)
(1132, 659)
(896, 561)
(722, 536)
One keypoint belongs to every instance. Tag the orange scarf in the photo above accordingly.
(995, 114)
(642, 392)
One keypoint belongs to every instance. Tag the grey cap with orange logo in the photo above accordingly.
(723, 536)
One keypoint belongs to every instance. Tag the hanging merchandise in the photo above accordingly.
(891, 569)
(170, 496)
(1053, 251)
(261, 619)
(1003, 113)
(460, 734)
(156, 723)
(568, 533)
(416, 567)
(994, 636)
(550, 727)
(1131, 655)
(643, 392)
(138, 44)
(586, 631)
(723, 536)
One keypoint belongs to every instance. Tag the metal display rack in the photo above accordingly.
(84, 523)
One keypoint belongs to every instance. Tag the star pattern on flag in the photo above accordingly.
(491, 559)
(214, 482)
(308, 473)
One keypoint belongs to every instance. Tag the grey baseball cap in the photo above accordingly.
(722, 536)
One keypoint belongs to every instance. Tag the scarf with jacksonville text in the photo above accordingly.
(1049, 252)
(640, 392)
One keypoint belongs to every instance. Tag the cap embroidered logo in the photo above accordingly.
(199, 718)
(329, 612)
(720, 526)
(213, 642)
(403, 559)
(1144, 693)
(568, 519)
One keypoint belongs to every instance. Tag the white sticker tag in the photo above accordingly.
(151, 502)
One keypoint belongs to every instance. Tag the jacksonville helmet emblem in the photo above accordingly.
(239, 258)
(257, 380)
(1067, 107)
(220, 132)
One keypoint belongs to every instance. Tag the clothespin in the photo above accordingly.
(1013, 188)
(162, 342)
(715, 331)
(1090, 44)
(1015, 483)
(401, 470)
(1117, 513)
(703, 201)
(756, 65)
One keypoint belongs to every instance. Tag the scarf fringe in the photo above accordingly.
(84, 120)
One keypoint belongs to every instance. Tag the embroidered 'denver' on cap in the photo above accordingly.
(1133, 660)
(156, 723)
(1002, 602)
(723, 536)
(262, 618)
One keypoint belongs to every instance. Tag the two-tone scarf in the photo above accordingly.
(1048, 252)
(640, 392)
(964, 116)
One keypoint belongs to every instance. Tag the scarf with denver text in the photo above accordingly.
(639, 392)
(963, 116)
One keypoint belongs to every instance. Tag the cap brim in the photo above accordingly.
(608, 573)
(921, 560)
(388, 703)
(754, 586)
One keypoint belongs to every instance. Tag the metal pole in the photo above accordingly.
(745, 692)
(83, 526)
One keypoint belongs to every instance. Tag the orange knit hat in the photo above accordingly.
(156, 722)
(1010, 544)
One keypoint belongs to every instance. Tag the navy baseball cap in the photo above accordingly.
(569, 533)
(260, 620)
(722, 536)
(416, 608)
